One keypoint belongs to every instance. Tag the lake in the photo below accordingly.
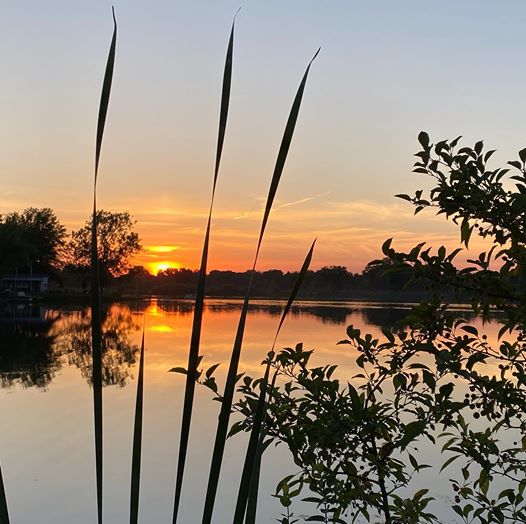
(46, 435)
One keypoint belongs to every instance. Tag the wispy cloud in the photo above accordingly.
(247, 214)
(303, 200)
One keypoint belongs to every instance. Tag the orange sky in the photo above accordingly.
(357, 231)
(367, 97)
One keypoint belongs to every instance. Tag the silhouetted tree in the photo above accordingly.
(34, 237)
(117, 243)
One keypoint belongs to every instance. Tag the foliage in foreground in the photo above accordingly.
(357, 441)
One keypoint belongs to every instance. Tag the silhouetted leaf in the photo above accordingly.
(465, 232)
(404, 197)
(193, 355)
(226, 405)
(4, 514)
(181, 370)
(472, 330)
(386, 246)
(411, 431)
(95, 278)
(423, 138)
(254, 449)
(137, 441)
(211, 369)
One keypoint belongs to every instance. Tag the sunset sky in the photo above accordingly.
(386, 71)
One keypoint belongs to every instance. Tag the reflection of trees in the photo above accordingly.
(327, 313)
(27, 356)
(118, 353)
(35, 343)
(385, 316)
(175, 306)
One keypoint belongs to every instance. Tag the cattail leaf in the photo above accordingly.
(252, 503)
(137, 441)
(249, 485)
(283, 151)
(4, 514)
(96, 322)
(295, 289)
(226, 404)
(225, 100)
(105, 95)
(193, 355)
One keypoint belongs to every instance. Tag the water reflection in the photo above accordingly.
(73, 343)
(381, 315)
(43, 349)
(27, 356)
(37, 341)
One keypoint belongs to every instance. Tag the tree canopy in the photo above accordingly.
(33, 238)
(117, 243)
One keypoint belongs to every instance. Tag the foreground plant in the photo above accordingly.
(96, 322)
(229, 390)
(355, 440)
(4, 513)
(193, 353)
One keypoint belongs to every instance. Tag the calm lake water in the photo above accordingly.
(46, 433)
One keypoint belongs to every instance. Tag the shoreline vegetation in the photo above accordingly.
(375, 283)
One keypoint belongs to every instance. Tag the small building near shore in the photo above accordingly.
(24, 285)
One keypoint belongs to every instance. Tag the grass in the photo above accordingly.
(96, 324)
(248, 486)
(247, 496)
(228, 395)
(137, 441)
(193, 355)
(4, 514)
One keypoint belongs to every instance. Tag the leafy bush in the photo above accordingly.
(355, 441)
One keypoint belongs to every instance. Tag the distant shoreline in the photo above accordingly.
(74, 298)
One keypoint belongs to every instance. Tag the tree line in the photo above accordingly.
(328, 282)
(36, 241)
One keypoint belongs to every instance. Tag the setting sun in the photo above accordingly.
(156, 267)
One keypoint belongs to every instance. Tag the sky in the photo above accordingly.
(386, 70)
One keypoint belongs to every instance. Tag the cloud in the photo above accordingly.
(161, 249)
(262, 201)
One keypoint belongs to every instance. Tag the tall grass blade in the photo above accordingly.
(226, 404)
(137, 441)
(105, 95)
(252, 503)
(95, 278)
(193, 355)
(283, 152)
(253, 458)
(4, 514)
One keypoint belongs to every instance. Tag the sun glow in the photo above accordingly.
(156, 267)
(161, 328)
(161, 249)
